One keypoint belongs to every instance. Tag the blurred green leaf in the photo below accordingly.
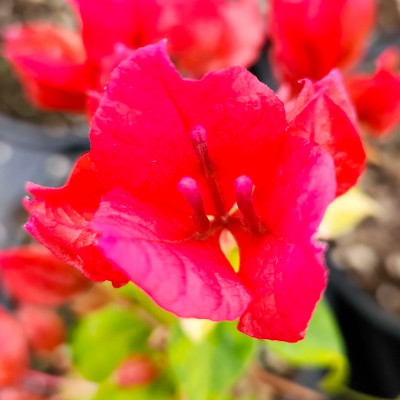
(322, 347)
(159, 390)
(103, 339)
(137, 295)
(206, 369)
(234, 258)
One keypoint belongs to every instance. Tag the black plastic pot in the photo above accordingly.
(372, 337)
(27, 153)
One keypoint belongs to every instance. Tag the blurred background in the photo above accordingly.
(351, 353)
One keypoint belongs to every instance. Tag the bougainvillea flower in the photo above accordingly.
(310, 38)
(13, 350)
(173, 163)
(324, 114)
(50, 63)
(57, 67)
(235, 33)
(33, 274)
(377, 96)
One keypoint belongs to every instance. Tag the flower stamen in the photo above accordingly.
(198, 137)
(245, 202)
(190, 190)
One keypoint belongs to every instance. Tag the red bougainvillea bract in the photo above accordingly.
(173, 163)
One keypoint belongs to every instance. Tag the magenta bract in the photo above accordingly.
(174, 163)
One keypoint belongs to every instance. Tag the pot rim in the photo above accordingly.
(31, 136)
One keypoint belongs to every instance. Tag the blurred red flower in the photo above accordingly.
(377, 96)
(57, 66)
(310, 38)
(14, 356)
(323, 113)
(50, 63)
(136, 370)
(173, 163)
(13, 393)
(32, 274)
(45, 329)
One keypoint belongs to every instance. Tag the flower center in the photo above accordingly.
(243, 186)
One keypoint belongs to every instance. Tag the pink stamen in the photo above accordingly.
(198, 137)
(245, 202)
(190, 190)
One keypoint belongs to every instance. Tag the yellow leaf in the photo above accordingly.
(346, 212)
(196, 329)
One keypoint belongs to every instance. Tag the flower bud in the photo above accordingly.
(44, 328)
(136, 370)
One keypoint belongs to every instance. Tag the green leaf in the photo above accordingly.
(206, 369)
(322, 347)
(234, 258)
(103, 339)
(159, 390)
(136, 295)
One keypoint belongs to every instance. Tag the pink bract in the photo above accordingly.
(169, 159)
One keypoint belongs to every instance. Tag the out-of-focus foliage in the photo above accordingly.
(159, 390)
(322, 348)
(206, 369)
(346, 212)
(104, 338)
(133, 293)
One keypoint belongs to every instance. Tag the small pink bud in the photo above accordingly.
(44, 328)
(136, 370)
